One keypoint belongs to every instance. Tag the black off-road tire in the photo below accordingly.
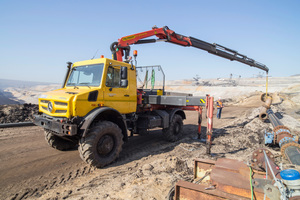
(175, 130)
(57, 142)
(102, 145)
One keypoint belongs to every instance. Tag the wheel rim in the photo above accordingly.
(105, 145)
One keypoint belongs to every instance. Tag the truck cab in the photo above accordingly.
(91, 84)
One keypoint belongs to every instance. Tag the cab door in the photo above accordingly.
(116, 95)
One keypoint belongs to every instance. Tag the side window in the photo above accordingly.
(113, 77)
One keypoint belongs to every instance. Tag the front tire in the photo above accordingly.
(175, 131)
(57, 142)
(102, 145)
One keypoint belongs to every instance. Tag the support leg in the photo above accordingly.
(199, 121)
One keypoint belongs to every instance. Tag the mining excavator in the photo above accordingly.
(99, 101)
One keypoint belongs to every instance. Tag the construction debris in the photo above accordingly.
(231, 179)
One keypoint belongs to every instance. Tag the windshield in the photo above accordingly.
(86, 75)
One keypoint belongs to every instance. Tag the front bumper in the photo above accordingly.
(59, 128)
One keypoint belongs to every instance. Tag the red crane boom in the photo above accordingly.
(122, 47)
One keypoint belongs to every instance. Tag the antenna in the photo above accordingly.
(95, 54)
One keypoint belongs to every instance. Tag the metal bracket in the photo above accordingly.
(272, 192)
(260, 183)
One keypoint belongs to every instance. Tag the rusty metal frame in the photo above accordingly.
(191, 191)
(227, 179)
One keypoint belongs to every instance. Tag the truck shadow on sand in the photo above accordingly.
(153, 143)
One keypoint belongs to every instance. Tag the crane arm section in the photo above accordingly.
(122, 47)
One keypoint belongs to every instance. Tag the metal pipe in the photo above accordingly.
(11, 125)
(273, 119)
(268, 102)
(289, 147)
(292, 153)
(263, 113)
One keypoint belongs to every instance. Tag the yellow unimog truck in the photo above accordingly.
(99, 101)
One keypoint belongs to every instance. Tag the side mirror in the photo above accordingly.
(124, 83)
(123, 72)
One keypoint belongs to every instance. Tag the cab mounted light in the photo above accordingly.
(102, 56)
(135, 53)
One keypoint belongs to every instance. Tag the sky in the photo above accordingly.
(39, 37)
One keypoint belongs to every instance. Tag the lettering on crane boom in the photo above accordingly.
(133, 36)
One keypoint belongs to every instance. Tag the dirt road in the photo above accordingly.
(29, 167)
(27, 161)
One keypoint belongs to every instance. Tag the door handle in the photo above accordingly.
(126, 95)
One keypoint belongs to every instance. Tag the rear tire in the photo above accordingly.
(175, 131)
(102, 145)
(57, 142)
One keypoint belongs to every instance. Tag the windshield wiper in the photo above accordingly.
(85, 84)
(71, 84)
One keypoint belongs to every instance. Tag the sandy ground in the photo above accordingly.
(148, 166)
(34, 170)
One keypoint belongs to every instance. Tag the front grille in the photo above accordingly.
(60, 103)
(59, 108)
(60, 111)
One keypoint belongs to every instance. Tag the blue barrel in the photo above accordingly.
(290, 175)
